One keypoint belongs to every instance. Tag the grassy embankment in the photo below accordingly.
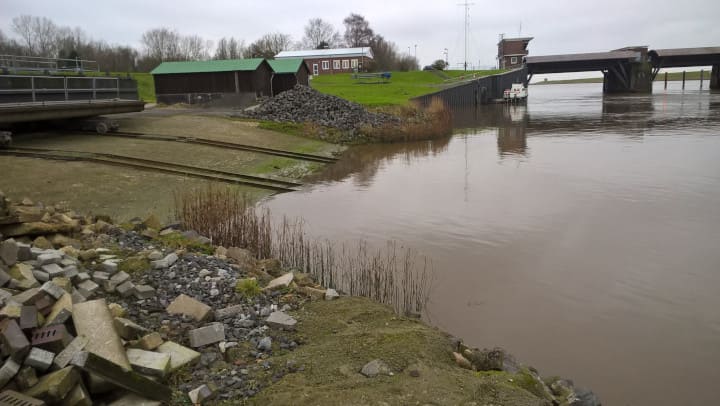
(672, 76)
(402, 86)
(391, 97)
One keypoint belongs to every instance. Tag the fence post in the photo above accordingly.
(32, 87)
(666, 80)
(702, 73)
(683, 80)
(65, 84)
(94, 94)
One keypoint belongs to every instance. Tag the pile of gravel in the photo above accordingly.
(303, 104)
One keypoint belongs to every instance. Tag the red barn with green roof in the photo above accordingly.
(231, 82)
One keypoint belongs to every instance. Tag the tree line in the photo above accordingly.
(40, 36)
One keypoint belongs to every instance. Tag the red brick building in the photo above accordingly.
(511, 52)
(328, 61)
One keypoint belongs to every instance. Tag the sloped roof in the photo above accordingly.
(225, 65)
(289, 65)
(327, 53)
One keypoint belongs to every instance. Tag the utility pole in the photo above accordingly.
(415, 51)
(467, 5)
(447, 62)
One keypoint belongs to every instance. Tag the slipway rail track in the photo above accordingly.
(156, 166)
(221, 144)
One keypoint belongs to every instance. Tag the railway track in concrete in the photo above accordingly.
(220, 144)
(276, 185)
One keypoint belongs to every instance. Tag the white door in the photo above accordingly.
(315, 69)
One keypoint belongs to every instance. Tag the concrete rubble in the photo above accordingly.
(93, 313)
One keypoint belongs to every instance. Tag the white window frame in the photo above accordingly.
(345, 64)
(315, 69)
(325, 65)
(513, 60)
(354, 63)
(336, 64)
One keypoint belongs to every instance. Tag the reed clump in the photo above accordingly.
(390, 274)
(416, 123)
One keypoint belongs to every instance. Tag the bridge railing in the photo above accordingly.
(16, 64)
(28, 88)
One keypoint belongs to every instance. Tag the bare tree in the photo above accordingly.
(320, 34)
(357, 31)
(38, 34)
(161, 44)
(194, 48)
(229, 48)
(268, 46)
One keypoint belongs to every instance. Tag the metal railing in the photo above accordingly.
(15, 63)
(63, 87)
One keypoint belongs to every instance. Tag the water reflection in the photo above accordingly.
(601, 238)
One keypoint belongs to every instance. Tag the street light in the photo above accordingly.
(445, 51)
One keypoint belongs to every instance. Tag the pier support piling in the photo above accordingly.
(715, 78)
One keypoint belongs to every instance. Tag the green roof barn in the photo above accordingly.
(287, 73)
(232, 81)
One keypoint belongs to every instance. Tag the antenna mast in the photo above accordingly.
(467, 5)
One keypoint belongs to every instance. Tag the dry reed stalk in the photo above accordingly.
(389, 275)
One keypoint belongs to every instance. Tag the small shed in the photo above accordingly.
(287, 73)
(230, 81)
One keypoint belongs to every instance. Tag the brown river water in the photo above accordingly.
(581, 233)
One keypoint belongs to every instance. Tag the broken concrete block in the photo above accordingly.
(281, 320)
(8, 371)
(4, 277)
(82, 277)
(52, 338)
(120, 277)
(44, 304)
(125, 378)
(116, 310)
(49, 258)
(148, 362)
(11, 310)
(312, 293)
(227, 312)
(53, 270)
(93, 320)
(77, 297)
(179, 355)
(9, 252)
(61, 311)
(110, 266)
(71, 272)
(149, 341)
(13, 340)
(200, 394)
(23, 275)
(39, 359)
(63, 358)
(129, 330)
(54, 386)
(166, 262)
(41, 276)
(26, 378)
(55, 291)
(188, 306)
(28, 318)
(144, 291)
(99, 277)
(78, 396)
(24, 252)
(212, 333)
(125, 289)
(63, 282)
(280, 282)
(28, 297)
(10, 397)
(87, 288)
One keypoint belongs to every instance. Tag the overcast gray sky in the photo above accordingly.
(559, 26)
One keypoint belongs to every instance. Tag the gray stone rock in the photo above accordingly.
(200, 394)
(331, 294)
(9, 252)
(53, 270)
(281, 320)
(39, 359)
(210, 334)
(144, 291)
(148, 362)
(265, 344)
(281, 282)
(375, 368)
(110, 266)
(49, 258)
(166, 262)
(8, 371)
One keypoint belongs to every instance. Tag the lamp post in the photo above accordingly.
(447, 63)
